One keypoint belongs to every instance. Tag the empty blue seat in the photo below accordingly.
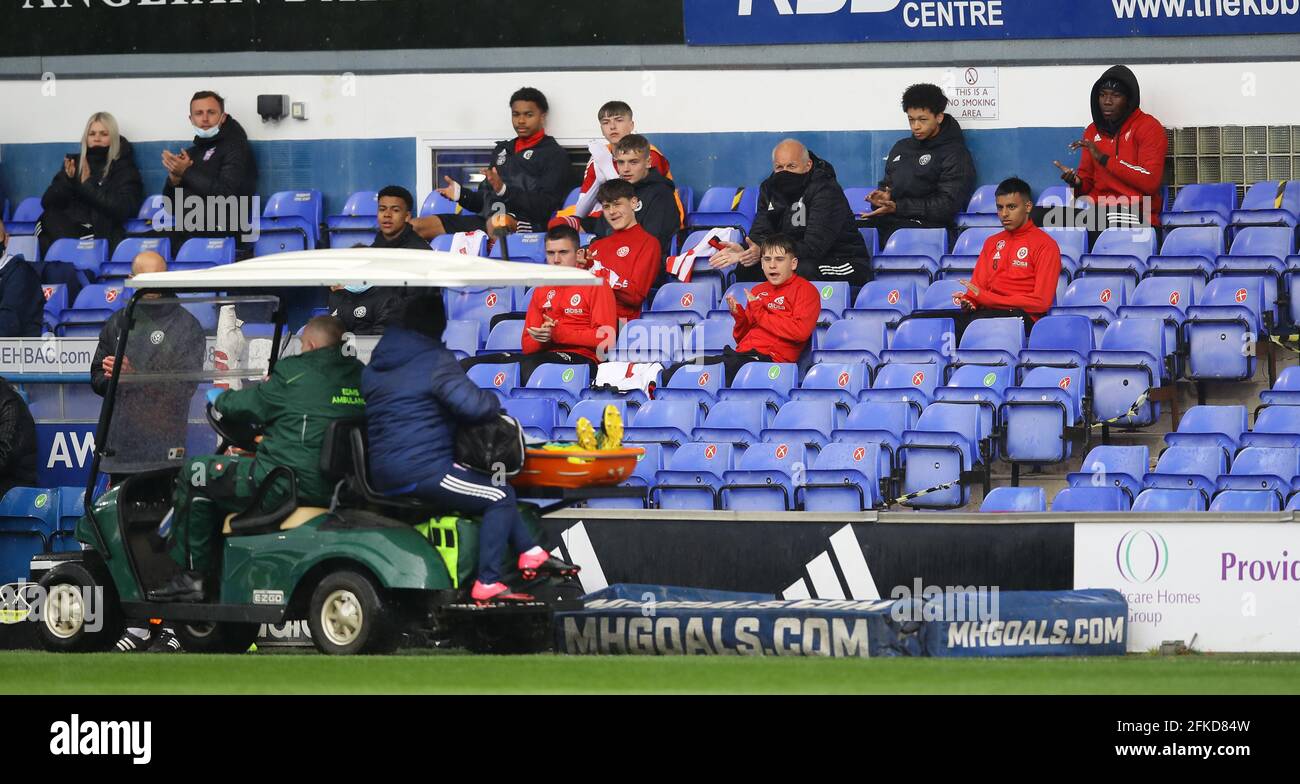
(29, 521)
(1090, 499)
(1189, 250)
(809, 422)
(683, 302)
(667, 422)
(1129, 363)
(295, 213)
(880, 423)
(710, 336)
(562, 383)
(981, 385)
(839, 383)
(1259, 252)
(939, 295)
(130, 247)
(24, 245)
(724, 205)
(992, 341)
(645, 340)
(1058, 341)
(1162, 499)
(1202, 204)
(1269, 203)
(1188, 468)
(939, 450)
(1275, 426)
(883, 301)
(960, 263)
(1245, 501)
(1120, 255)
(523, 246)
(1119, 467)
(1220, 426)
(351, 238)
(852, 341)
(1073, 243)
(1267, 470)
(537, 416)
(982, 209)
(1222, 329)
(500, 378)
(360, 212)
(25, 217)
(768, 383)
(1038, 415)
(205, 252)
(924, 340)
(844, 478)
(911, 255)
(692, 476)
(857, 197)
(507, 335)
(648, 463)
(437, 204)
(94, 305)
(734, 422)
(72, 506)
(1015, 499)
(152, 216)
(763, 479)
(835, 300)
(698, 383)
(1096, 298)
(1166, 299)
(479, 305)
(913, 384)
(86, 255)
(593, 411)
(1285, 391)
(462, 337)
(56, 301)
(1056, 196)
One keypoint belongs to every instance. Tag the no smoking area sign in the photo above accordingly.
(972, 93)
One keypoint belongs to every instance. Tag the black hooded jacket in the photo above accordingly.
(223, 166)
(931, 180)
(657, 214)
(22, 303)
(537, 180)
(1124, 76)
(17, 441)
(823, 229)
(105, 201)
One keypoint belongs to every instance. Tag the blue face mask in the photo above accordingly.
(207, 133)
(357, 289)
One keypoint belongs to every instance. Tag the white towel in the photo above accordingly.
(602, 161)
(627, 376)
(468, 243)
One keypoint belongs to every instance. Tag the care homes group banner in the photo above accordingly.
(714, 22)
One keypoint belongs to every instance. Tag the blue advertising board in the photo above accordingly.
(720, 22)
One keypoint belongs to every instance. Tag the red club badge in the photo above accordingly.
(918, 378)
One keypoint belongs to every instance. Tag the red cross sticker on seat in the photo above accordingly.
(687, 299)
(892, 299)
(1105, 295)
(843, 380)
(491, 299)
(859, 453)
(499, 379)
(704, 378)
(917, 378)
(1064, 383)
(782, 451)
(1241, 295)
(710, 451)
(1173, 298)
(49, 292)
(111, 294)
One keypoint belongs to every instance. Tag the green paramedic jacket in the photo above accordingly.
(295, 405)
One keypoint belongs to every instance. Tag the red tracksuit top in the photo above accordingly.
(1018, 269)
(633, 253)
(584, 319)
(1136, 165)
(781, 322)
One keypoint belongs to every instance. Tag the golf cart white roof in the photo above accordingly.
(367, 266)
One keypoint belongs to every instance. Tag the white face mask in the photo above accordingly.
(357, 289)
(207, 133)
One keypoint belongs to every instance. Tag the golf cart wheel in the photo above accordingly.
(208, 637)
(348, 616)
(77, 615)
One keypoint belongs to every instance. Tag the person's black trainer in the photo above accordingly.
(184, 587)
(130, 643)
(167, 643)
(532, 565)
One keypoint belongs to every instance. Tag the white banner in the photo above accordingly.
(1231, 586)
(46, 355)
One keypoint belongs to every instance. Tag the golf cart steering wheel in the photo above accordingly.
(238, 435)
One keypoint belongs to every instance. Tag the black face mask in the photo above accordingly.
(789, 184)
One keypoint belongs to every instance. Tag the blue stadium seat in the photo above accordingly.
(1204, 204)
(1072, 243)
(29, 520)
(882, 424)
(88, 256)
(1263, 470)
(911, 255)
(500, 378)
(1090, 499)
(523, 246)
(1220, 426)
(724, 206)
(1056, 196)
(1169, 500)
(1193, 469)
(479, 305)
(295, 213)
(477, 243)
(56, 301)
(1120, 255)
(913, 384)
(943, 445)
(851, 340)
(1259, 252)
(939, 295)
(926, 340)
(871, 236)
(507, 335)
(24, 245)
(1221, 327)
(1097, 298)
(537, 415)
(152, 216)
(130, 247)
(680, 303)
(1275, 426)
(1245, 501)
(698, 383)
(593, 410)
(1118, 467)
(94, 305)
(835, 300)
(1189, 251)
(1058, 341)
(72, 506)
(701, 272)
(350, 238)
(809, 422)
(991, 341)
(562, 383)
(710, 336)
(648, 463)
(843, 478)
(1131, 360)
(768, 383)
(25, 216)
(960, 263)
(981, 210)
(1263, 207)
(1285, 391)
(205, 252)
(360, 213)
(1037, 415)
(885, 302)
(736, 422)
(692, 476)
(857, 197)
(736, 290)
(645, 340)
(667, 422)
(837, 382)
(763, 479)
(1015, 499)
(981, 385)
(1166, 299)
(437, 204)
(462, 337)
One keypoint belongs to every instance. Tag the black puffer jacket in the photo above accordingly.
(105, 201)
(223, 165)
(823, 228)
(17, 441)
(536, 179)
(931, 180)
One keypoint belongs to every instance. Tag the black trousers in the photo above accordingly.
(56, 225)
(731, 360)
(886, 225)
(529, 362)
(464, 222)
(964, 318)
(1095, 219)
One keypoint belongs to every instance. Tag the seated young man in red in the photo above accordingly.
(566, 325)
(629, 258)
(1018, 268)
(777, 319)
(615, 118)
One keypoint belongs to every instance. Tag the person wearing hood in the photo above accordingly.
(803, 200)
(22, 305)
(1123, 158)
(658, 214)
(96, 192)
(930, 175)
(219, 164)
(17, 440)
(416, 396)
(367, 310)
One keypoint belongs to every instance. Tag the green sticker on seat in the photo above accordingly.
(827, 291)
(44, 498)
(773, 372)
(567, 375)
(989, 379)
